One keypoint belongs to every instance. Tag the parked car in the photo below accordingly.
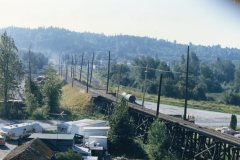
(21, 130)
(2, 140)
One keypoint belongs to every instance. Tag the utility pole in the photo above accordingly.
(61, 64)
(67, 67)
(108, 71)
(91, 69)
(87, 75)
(67, 63)
(144, 86)
(186, 89)
(29, 66)
(75, 63)
(58, 64)
(72, 68)
(66, 71)
(159, 94)
(119, 80)
(80, 76)
(73, 74)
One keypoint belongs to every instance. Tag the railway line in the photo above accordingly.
(190, 140)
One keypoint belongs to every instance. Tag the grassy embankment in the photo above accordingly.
(77, 103)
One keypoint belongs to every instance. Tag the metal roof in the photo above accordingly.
(96, 128)
(52, 136)
(18, 125)
(102, 137)
(84, 122)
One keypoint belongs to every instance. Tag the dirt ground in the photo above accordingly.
(5, 149)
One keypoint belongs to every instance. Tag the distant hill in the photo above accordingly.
(57, 40)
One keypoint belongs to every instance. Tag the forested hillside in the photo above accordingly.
(57, 40)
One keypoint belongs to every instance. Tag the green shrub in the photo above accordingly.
(233, 122)
(121, 132)
(69, 155)
(159, 142)
(232, 98)
(39, 115)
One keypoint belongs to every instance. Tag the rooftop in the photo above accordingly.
(102, 137)
(52, 136)
(32, 150)
(96, 128)
(17, 125)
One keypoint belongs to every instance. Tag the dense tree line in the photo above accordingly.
(58, 40)
(220, 76)
(37, 61)
(44, 96)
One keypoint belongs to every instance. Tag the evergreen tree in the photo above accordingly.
(68, 155)
(52, 90)
(31, 103)
(159, 142)
(121, 132)
(11, 70)
(233, 122)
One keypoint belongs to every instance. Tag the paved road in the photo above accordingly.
(202, 117)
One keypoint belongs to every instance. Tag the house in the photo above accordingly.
(32, 150)
(57, 142)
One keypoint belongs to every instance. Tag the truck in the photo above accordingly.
(18, 131)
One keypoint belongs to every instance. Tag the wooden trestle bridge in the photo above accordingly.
(188, 139)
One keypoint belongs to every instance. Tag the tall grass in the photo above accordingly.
(78, 104)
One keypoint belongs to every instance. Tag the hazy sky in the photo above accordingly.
(205, 22)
